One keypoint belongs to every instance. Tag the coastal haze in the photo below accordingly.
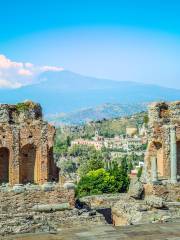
(64, 95)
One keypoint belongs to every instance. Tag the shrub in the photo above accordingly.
(103, 181)
(25, 106)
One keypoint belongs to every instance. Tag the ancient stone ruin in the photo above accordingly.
(162, 160)
(26, 145)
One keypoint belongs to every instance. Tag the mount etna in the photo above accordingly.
(71, 94)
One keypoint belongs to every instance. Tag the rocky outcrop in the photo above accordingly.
(103, 200)
(129, 211)
(155, 202)
(136, 188)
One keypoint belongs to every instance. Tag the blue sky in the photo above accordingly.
(132, 40)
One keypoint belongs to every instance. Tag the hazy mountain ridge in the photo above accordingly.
(105, 111)
(66, 92)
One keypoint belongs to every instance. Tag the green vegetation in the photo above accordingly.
(105, 128)
(68, 167)
(146, 119)
(88, 158)
(25, 106)
(98, 172)
(101, 181)
(95, 176)
(139, 172)
(62, 142)
(22, 107)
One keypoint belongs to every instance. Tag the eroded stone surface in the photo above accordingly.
(136, 188)
(129, 211)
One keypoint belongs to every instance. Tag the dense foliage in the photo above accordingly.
(25, 106)
(88, 158)
(67, 167)
(102, 180)
(62, 142)
(78, 159)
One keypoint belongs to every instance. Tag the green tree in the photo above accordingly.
(68, 141)
(60, 147)
(68, 166)
(104, 181)
(92, 161)
(146, 119)
(130, 167)
(139, 172)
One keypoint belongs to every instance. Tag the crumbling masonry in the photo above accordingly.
(162, 159)
(26, 145)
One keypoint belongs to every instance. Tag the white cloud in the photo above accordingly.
(8, 84)
(16, 74)
(7, 63)
(51, 68)
(25, 72)
(28, 65)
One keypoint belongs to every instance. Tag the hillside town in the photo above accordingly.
(134, 142)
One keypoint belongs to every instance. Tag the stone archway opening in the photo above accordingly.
(178, 158)
(27, 164)
(160, 159)
(53, 172)
(50, 166)
(4, 165)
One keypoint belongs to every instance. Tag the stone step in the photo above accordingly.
(173, 204)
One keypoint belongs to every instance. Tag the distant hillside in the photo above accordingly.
(66, 92)
(105, 128)
(105, 111)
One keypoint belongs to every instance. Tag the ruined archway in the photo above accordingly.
(27, 164)
(178, 158)
(53, 172)
(158, 153)
(4, 165)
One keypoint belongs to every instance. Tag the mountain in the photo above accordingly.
(66, 92)
(105, 111)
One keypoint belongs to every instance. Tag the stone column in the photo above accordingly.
(44, 167)
(154, 175)
(173, 154)
(15, 164)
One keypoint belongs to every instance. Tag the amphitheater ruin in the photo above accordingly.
(26, 145)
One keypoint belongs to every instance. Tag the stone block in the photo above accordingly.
(136, 188)
(51, 207)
